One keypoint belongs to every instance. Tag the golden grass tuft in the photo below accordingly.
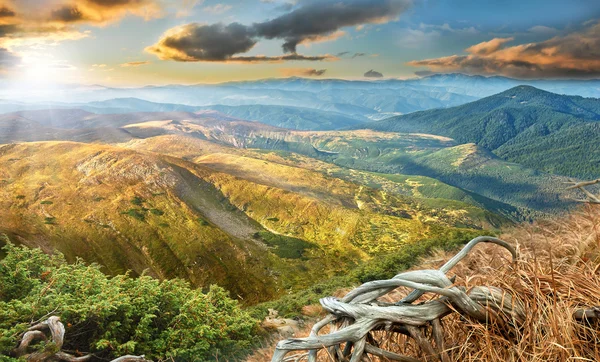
(558, 272)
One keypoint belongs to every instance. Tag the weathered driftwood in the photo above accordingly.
(54, 326)
(357, 315)
(591, 198)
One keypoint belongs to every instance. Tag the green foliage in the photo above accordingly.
(138, 201)
(157, 212)
(135, 213)
(285, 246)
(50, 220)
(46, 202)
(112, 316)
(20, 197)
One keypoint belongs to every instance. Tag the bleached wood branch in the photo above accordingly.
(357, 314)
(591, 198)
(54, 326)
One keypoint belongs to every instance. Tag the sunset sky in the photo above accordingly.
(139, 42)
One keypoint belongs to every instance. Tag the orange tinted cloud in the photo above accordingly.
(135, 64)
(573, 55)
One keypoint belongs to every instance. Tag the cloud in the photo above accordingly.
(351, 55)
(217, 8)
(576, 55)
(196, 42)
(303, 72)
(135, 64)
(216, 43)
(424, 73)
(6, 12)
(488, 47)
(27, 23)
(373, 74)
(541, 29)
(317, 19)
(8, 59)
(310, 22)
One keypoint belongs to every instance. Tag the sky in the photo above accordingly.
(154, 42)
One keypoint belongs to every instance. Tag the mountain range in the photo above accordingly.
(275, 197)
(542, 130)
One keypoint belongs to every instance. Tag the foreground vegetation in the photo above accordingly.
(556, 277)
(114, 316)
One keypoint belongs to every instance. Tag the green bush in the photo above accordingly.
(46, 202)
(138, 201)
(157, 212)
(285, 246)
(50, 220)
(113, 316)
(135, 213)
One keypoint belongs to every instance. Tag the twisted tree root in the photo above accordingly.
(53, 325)
(357, 314)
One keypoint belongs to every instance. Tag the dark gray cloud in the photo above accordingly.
(67, 14)
(373, 74)
(196, 42)
(355, 55)
(302, 72)
(6, 12)
(319, 19)
(310, 21)
(424, 73)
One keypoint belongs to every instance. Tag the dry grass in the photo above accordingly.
(557, 273)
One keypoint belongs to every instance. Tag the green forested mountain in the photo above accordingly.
(539, 129)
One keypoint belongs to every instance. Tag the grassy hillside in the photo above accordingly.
(127, 211)
(254, 226)
(539, 129)
(517, 190)
(418, 197)
(347, 152)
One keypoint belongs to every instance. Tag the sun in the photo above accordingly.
(39, 68)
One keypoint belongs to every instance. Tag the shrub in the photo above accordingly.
(113, 316)
(46, 202)
(135, 213)
(50, 220)
(138, 201)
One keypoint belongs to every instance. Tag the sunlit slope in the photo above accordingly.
(332, 184)
(395, 153)
(126, 211)
(255, 226)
